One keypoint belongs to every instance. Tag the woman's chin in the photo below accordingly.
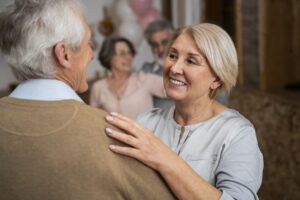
(126, 69)
(174, 95)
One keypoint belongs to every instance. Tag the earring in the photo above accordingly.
(212, 93)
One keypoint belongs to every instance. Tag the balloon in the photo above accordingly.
(150, 16)
(140, 7)
(124, 11)
(106, 27)
(131, 31)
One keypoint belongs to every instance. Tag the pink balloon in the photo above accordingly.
(131, 31)
(140, 7)
(150, 16)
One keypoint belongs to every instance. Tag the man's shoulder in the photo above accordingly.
(91, 112)
(59, 107)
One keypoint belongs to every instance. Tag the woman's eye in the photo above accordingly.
(191, 61)
(172, 56)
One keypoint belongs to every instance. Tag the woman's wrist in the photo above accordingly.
(168, 163)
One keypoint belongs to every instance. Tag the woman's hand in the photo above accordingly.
(143, 144)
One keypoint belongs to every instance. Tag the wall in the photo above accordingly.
(280, 43)
(94, 13)
(187, 12)
(250, 47)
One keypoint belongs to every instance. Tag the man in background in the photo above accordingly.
(52, 145)
(158, 34)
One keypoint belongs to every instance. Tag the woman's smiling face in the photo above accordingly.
(187, 75)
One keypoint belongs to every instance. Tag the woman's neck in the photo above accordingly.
(119, 76)
(117, 83)
(192, 113)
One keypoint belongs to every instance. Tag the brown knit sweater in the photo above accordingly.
(58, 150)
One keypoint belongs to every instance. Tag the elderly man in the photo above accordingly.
(52, 145)
(158, 34)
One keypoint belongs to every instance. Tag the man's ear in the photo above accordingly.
(62, 55)
(216, 83)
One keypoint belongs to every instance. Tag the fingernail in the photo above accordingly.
(112, 146)
(109, 118)
(114, 114)
(108, 131)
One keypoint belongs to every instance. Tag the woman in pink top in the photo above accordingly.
(123, 91)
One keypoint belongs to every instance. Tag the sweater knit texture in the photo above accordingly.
(58, 150)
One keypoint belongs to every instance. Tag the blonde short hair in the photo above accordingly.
(218, 49)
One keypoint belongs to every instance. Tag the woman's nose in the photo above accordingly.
(176, 67)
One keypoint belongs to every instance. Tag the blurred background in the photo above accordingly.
(267, 37)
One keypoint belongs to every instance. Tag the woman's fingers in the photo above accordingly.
(143, 145)
(127, 151)
(124, 123)
(122, 137)
(122, 117)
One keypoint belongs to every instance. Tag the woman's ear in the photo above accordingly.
(62, 55)
(216, 83)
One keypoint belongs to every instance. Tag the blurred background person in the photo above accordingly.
(203, 149)
(158, 34)
(124, 91)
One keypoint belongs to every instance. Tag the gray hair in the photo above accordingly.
(217, 47)
(158, 25)
(31, 28)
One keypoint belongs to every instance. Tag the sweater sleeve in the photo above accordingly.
(141, 182)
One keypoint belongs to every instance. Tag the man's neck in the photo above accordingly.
(44, 90)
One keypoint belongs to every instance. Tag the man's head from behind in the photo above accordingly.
(158, 34)
(46, 39)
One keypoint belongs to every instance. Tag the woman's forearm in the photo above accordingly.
(186, 183)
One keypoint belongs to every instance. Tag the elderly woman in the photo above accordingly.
(124, 92)
(201, 148)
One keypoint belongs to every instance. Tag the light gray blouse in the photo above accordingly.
(223, 150)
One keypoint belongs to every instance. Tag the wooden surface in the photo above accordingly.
(280, 43)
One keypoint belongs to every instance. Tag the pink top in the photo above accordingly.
(136, 99)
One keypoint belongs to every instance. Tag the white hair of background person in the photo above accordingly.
(40, 24)
(157, 26)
